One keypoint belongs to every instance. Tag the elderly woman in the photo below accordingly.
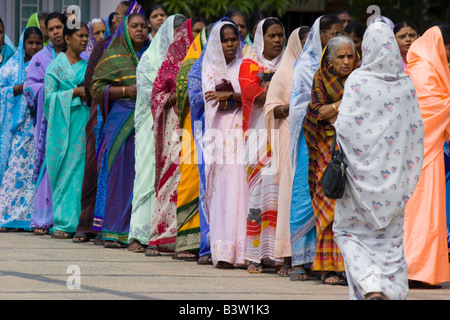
(381, 133)
(338, 61)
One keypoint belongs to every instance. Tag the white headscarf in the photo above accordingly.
(380, 130)
(258, 49)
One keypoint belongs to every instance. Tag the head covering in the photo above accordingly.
(304, 71)
(148, 68)
(278, 95)
(380, 130)
(33, 21)
(92, 42)
(165, 85)
(117, 67)
(428, 68)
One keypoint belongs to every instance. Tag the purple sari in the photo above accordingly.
(42, 216)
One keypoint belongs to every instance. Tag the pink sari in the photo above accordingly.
(167, 145)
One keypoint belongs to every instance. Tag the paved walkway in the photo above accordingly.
(40, 268)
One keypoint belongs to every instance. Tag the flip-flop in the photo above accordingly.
(81, 238)
(155, 253)
(205, 260)
(294, 275)
(60, 235)
(114, 245)
(340, 282)
(140, 248)
(258, 268)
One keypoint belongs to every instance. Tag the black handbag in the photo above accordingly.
(333, 179)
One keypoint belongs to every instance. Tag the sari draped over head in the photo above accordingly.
(327, 88)
(17, 149)
(223, 149)
(34, 92)
(302, 222)
(66, 139)
(167, 146)
(144, 187)
(426, 210)
(33, 21)
(262, 189)
(7, 51)
(381, 134)
(91, 40)
(117, 67)
(188, 219)
(278, 135)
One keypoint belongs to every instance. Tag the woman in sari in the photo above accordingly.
(405, 35)
(7, 49)
(97, 29)
(302, 224)
(338, 61)
(381, 134)
(144, 183)
(277, 126)
(42, 218)
(156, 15)
(67, 115)
(165, 118)
(114, 88)
(425, 237)
(226, 186)
(37, 19)
(254, 78)
(16, 137)
(188, 219)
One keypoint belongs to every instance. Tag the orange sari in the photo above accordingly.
(425, 227)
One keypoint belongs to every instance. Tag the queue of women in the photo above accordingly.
(161, 133)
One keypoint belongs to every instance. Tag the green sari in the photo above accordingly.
(66, 140)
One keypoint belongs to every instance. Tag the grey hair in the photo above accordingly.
(335, 43)
(96, 21)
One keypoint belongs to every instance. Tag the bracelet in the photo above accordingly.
(123, 91)
(231, 95)
(335, 109)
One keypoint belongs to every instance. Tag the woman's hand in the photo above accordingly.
(329, 112)
(18, 90)
(79, 92)
(131, 91)
(217, 96)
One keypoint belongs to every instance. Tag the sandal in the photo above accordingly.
(331, 274)
(204, 260)
(98, 240)
(81, 238)
(114, 245)
(40, 232)
(135, 247)
(254, 268)
(3, 230)
(298, 274)
(60, 235)
(185, 256)
(152, 251)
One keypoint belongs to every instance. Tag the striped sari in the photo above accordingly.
(327, 88)
(116, 152)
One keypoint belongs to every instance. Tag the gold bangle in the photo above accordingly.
(282, 111)
(335, 109)
(123, 91)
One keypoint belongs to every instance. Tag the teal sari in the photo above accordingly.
(66, 140)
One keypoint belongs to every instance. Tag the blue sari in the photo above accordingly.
(17, 189)
(8, 51)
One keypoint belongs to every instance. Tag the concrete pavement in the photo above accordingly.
(40, 268)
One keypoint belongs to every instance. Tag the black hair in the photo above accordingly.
(1, 22)
(355, 27)
(56, 15)
(303, 32)
(42, 16)
(403, 24)
(33, 30)
(70, 31)
(110, 19)
(197, 19)
(153, 7)
(127, 4)
(136, 14)
(228, 26)
(234, 13)
(270, 22)
(328, 21)
(255, 18)
(445, 30)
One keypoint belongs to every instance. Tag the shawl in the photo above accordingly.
(165, 85)
(428, 68)
(12, 108)
(380, 130)
(278, 95)
(251, 74)
(148, 68)
(304, 71)
(91, 41)
(117, 67)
